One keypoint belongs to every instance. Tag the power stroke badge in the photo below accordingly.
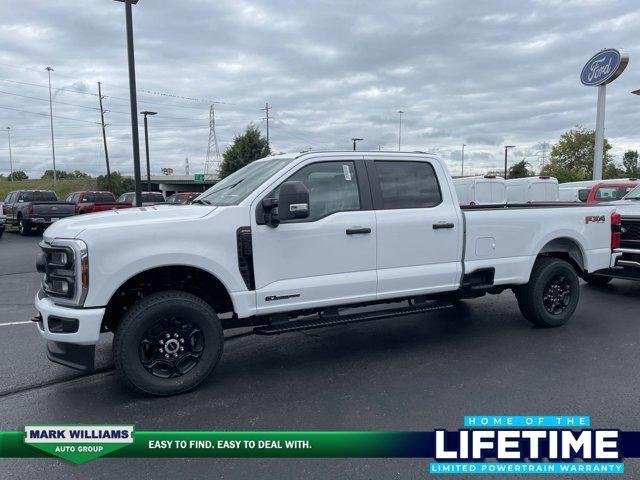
(78, 443)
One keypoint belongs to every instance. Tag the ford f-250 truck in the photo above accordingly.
(293, 242)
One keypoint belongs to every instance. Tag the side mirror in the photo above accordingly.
(293, 201)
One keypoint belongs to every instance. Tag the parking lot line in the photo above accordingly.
(15, 323)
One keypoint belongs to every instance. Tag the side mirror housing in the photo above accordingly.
(293, 201)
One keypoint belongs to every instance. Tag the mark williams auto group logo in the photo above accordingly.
(78, 444)
(527, 445)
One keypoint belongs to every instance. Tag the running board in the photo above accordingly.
(330, 321)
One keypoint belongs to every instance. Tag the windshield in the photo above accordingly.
(237, 186)
(99, 197)
(633, 194)
(152, 197)
(39, 196)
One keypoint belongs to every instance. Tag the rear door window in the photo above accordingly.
(406, 185)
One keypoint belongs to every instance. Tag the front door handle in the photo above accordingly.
(439, 225)
(358, 231)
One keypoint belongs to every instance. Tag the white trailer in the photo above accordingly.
(487, 190)
(532, 189)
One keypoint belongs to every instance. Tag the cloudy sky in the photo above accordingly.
(484, 73)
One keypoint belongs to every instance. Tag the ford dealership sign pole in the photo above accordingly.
(602, 68)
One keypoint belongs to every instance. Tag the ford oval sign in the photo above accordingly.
(604, 67)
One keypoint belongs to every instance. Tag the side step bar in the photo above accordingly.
(330, 321)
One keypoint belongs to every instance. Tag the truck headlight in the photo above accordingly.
(65, 264)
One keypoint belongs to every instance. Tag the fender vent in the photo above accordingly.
(245, 256)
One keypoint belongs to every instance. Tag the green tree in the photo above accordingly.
(520, 170)
(80, 175)
(246, 148)
(571, 158)
(630, 163)
(17, 176)
(119, 183)
(62, 175)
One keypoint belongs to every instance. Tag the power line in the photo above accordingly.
(47, 86)
(47, 115)
(47, 100)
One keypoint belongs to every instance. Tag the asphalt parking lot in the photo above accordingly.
(413, 373)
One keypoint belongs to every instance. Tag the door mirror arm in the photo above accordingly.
(270, 208)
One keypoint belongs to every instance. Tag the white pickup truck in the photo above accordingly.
(294, 242)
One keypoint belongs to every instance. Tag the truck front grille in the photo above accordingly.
(630, 233)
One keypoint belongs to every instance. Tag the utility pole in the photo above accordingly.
(104, 138)
(266, 110)
(146, 145)
(400, 130)
(355, 140)
(53, 146)
(506, 152)
(10, 159)
(462, 170)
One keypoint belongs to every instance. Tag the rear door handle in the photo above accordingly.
(439, 225)
(358, 231)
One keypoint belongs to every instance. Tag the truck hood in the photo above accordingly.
(73, 226)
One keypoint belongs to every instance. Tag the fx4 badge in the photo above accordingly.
(594, 219)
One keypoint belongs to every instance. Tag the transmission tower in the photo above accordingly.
(212, 163)
(544, 147)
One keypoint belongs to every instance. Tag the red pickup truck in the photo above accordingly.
(94, 201)
(610, 191)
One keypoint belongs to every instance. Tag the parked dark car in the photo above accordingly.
(183, 198)
(94, 201)
(148, 198)
(2, 221)
(30, 209)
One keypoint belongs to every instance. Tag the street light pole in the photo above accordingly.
(146, 144)
(462, 169)
(53, 146)
(506, 151)
(133, 100)
(354, 140)
(400, 112)
(10, 159)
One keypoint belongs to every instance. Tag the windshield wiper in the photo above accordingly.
(201, 202)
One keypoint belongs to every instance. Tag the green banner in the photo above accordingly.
(200, 444)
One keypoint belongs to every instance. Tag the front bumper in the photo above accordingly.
(625, 264)
(89, 321)
(75, 348)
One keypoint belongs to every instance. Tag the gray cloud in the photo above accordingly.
(480, 73)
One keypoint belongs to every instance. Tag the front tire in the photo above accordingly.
(552, 294)
(167, 343)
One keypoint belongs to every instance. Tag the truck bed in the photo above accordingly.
(502, 238)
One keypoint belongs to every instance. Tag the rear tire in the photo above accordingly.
(24, 228)
(597, 280)
(552, 294)
(167, 343)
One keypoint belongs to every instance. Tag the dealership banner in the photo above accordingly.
(485, 445)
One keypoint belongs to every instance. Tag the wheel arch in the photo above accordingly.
(188, 278)
(568, 249)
